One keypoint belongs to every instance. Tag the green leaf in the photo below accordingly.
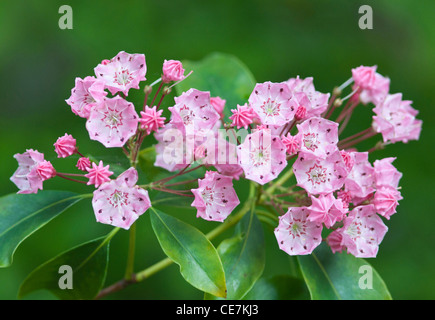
(88, 263)
(243, 257)
(146, 158)
(199, 261)
(338, 276)
(23, 214)
(280, 287)
(223, 75)
(118, 164)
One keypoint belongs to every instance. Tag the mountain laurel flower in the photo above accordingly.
(193, 112)
(172, 71)
(98, 174)
(112, 122)
(124, 72)
(215, 197)
(304, 90)
(319, 137)
(26, 177)
(65, 146)
(120, 202)
(360, 180)
(83, 163)
(243, 116)
(151, 119)
(296, 234)
(364, 77)
(363, 231)
(85, 95)
(395, 120)
(386, 174)
(273, 103)
(334, 241)
(262, 156)
(320, 176)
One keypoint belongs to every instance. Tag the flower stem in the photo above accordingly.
(131, 252)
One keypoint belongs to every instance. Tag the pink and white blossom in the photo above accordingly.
(120, 202)
(112, 122)
(215, 197)
(273, 103)
(320, 176)
(26, 177)
(85, 95)
(386, 200)
(262, 156)
(123, 72)
(319, 137)
(363, 231)
(395, 120)
(296, 234)
(361, 180)
(218, 104)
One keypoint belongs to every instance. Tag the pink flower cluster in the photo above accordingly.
(339, 196)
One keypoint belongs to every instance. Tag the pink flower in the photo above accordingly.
(372, 89)
(273, 103)
(386, 200)
(292, 143)
(334, 241)
(320, 176)
(85, 95)
(314, 102)
(385, 174)
(362, 232)
(172, 71)
(301, 112)
(124, 71)
(296, 234)
(193, 112)
(215, 197)
(364, 77)
(112, 122)
(98, 174)
(319, 137)
(45, 170)
(120, 202)
(65, 146)
(262, 156)
(360, 181)
(243, 116)
(83, 163)
(151, 119)
(326, 209)
(395, 120)
(218, 104)
(226, 158)
(26, 177)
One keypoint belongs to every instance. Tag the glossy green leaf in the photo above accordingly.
(88, 264)
(280, 287)
(23, 214)
(223, 75)
(199, 261)
(341, 276)
(243, 257)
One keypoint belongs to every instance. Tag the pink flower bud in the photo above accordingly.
(83, 163)
(218, 104)
(65, 146)
(45, 170)
(172, 71)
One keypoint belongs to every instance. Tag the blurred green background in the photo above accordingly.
(276, 40)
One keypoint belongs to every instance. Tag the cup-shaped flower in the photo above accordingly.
(120, 202)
